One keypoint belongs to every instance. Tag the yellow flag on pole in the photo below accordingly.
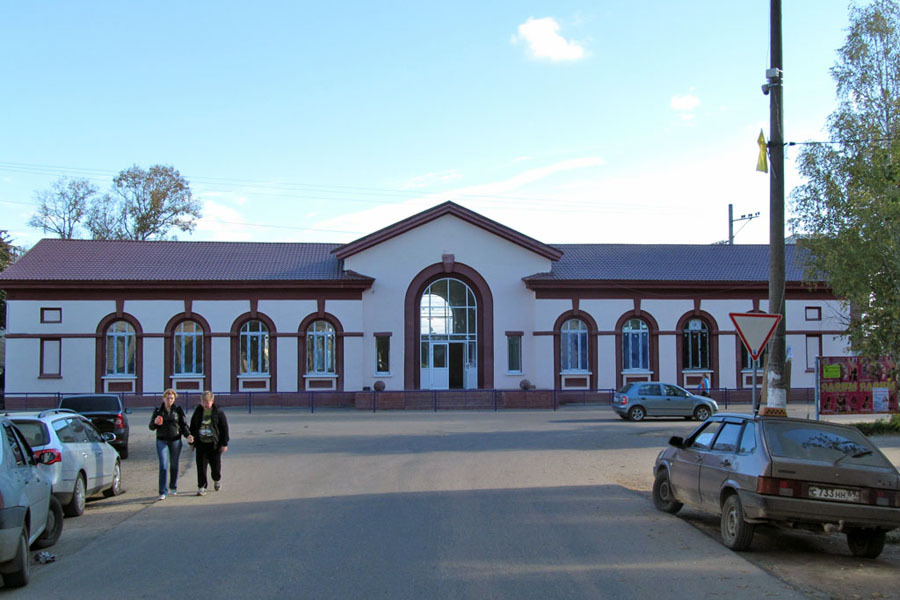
(762, 163)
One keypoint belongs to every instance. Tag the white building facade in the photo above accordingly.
(445, 299)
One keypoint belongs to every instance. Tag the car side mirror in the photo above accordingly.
(109, 436)
(676, 441)
(127, 411)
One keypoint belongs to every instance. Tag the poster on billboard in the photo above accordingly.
(854, 385)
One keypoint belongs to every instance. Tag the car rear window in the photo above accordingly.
(91, 404)
(820, 441)
(34, 432)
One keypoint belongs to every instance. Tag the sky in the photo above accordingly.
(568, 121)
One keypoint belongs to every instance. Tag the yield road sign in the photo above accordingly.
(755, 329)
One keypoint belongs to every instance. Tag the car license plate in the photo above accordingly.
(830, 493)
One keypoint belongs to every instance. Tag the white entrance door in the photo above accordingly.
(440, 366)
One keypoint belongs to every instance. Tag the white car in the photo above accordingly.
(81, 463)
(30, 517)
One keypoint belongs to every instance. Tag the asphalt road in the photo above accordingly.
(346, 504)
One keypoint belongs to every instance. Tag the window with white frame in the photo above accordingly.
(188, 342)
(254, 348)
(514, 353)
(120, 348)
(635, 345)
(573, 338)
(695, 345)
(382, 354)
(747, 360)
(320, 348)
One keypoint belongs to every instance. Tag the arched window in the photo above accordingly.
(320, 348)
(254, 348)
(120, 349)
(574, 346)
(695, 345)
(635, 345)
(188, 348)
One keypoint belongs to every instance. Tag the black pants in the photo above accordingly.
(208, 454)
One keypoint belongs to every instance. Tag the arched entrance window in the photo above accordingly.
(188, 349)
(320, 349)
(254, 348)
(574, 347)
(448, 319)
(120, 349)
(635, 345)
(695, 345)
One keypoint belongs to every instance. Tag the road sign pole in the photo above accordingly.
(755, 399)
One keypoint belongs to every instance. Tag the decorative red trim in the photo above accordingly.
(168, 349)
(412, 322)
(713, 345)
(100, 347)
(447, 208)
(47, 311)
(592, 346)
(236, 349)
(120, 307)
(338, 347)
(320, 307)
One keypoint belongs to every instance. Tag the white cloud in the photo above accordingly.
(685, 103)
(544, 40)
(222, 223)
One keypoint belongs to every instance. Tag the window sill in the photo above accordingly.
(49, 376)
(254, 376)
(321, 376)
(383, 375)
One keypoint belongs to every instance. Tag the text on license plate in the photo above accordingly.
(830, 493)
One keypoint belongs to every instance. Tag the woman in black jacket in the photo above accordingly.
(209, 428)
(170, 424)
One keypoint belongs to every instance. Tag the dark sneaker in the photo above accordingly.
(217, 486)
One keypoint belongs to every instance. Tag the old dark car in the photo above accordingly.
(794, 473)
(107, 414)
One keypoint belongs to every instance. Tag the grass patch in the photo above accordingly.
(881, 426)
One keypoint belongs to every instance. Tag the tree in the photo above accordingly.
(144, 205)
(848, 211)
(63, 207)
(8, 254)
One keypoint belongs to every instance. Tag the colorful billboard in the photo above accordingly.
(850, 384)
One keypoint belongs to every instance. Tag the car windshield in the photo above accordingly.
(91, 403)
(34, 432)
(819, 441)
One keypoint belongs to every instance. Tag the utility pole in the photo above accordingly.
(776, 386)
(732, 221)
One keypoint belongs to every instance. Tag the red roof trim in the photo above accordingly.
(447, 208)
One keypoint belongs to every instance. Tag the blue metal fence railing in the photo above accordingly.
(433, 400)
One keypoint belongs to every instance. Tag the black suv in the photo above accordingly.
(106, 413)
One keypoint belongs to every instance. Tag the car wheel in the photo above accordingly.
(54, 526)
(75, 508)
(663, 498)
(637, 413)
(866, 543)
(17, 571)
(116, 488)
(736, 532)
(702, 412)
(123, 451)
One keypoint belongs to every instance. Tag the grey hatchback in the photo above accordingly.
(641, 399)
(794, 473)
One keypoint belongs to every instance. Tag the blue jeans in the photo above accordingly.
(168, 453)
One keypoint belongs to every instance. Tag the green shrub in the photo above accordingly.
(881, 426)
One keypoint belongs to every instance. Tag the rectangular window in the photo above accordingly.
(51, 315)
(813, 350)
(50, 357)
(382, 353)
(514, 352)
(813, 313)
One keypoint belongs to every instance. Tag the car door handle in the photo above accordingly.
(725, 462)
